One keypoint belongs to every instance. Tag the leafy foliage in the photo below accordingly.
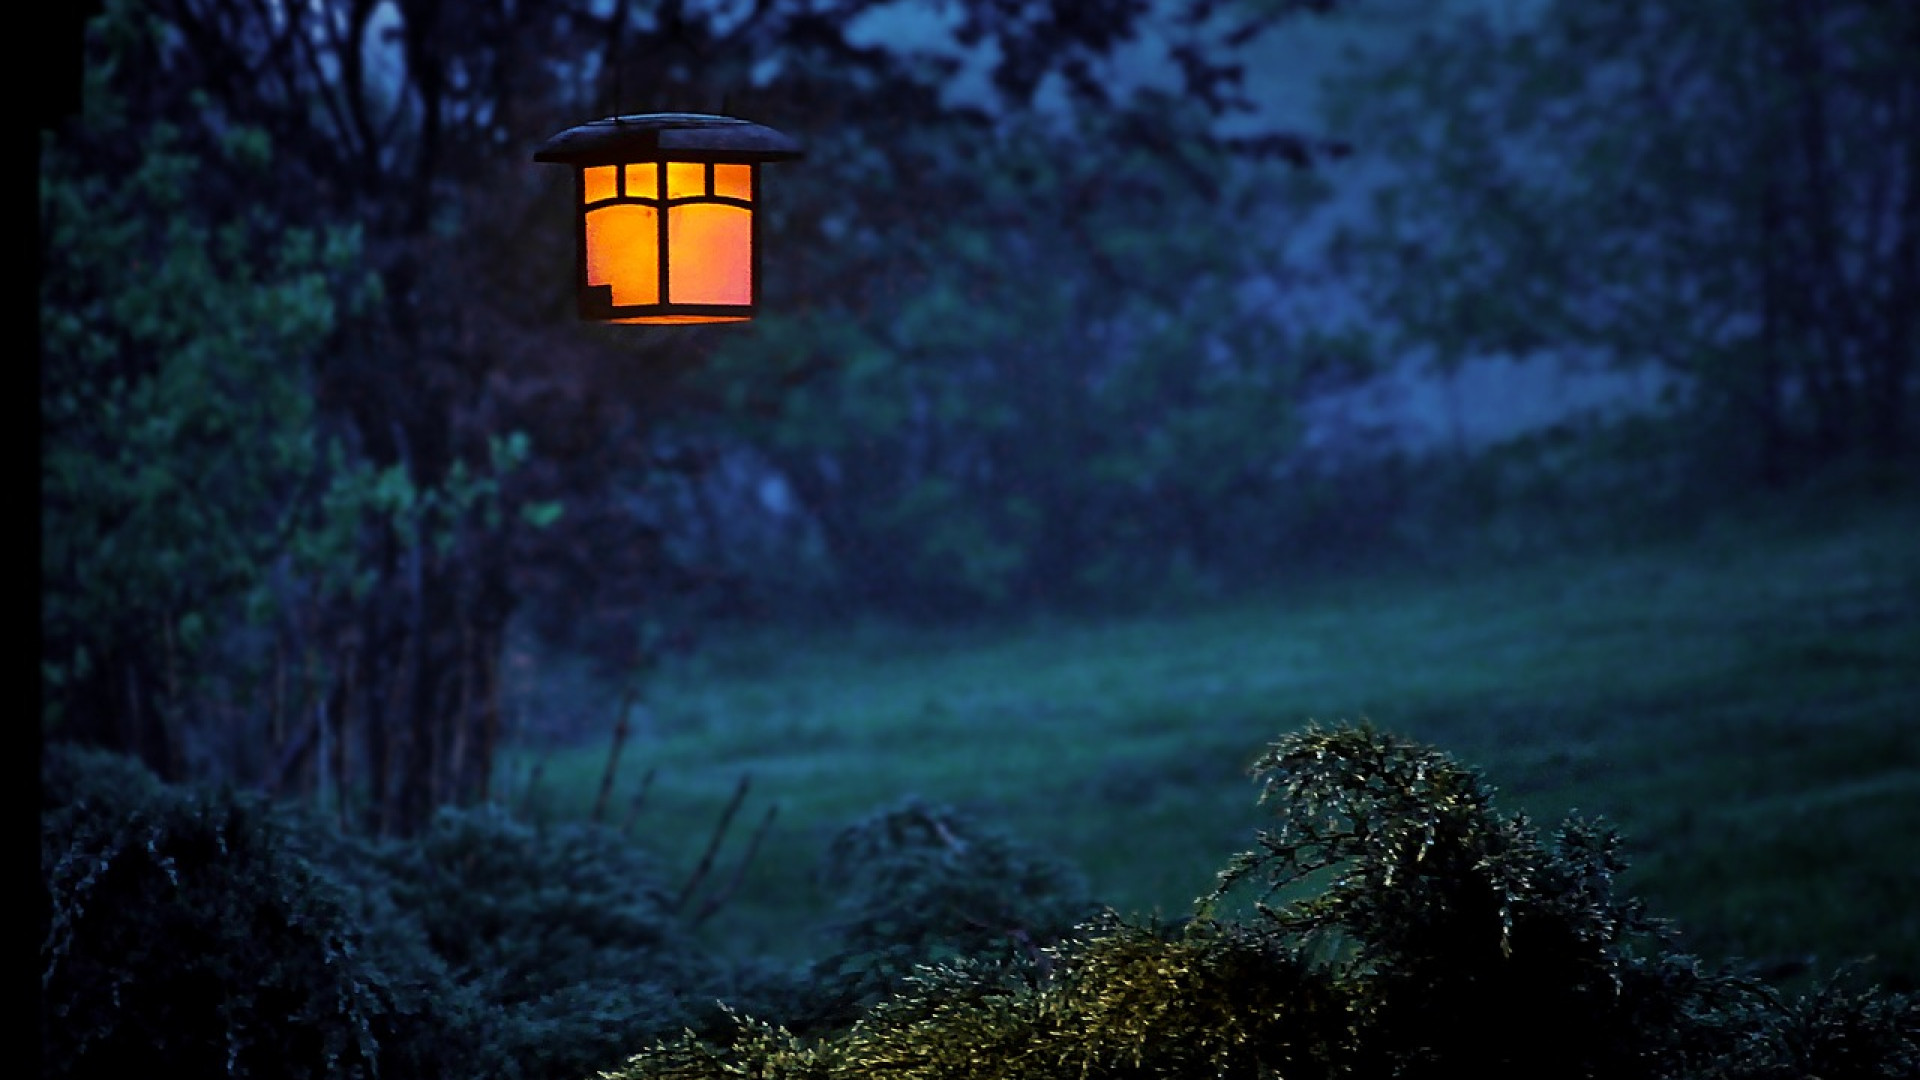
(170, 341)
(203, 520)
(1401, 927)
(354, 503)
(1418, 933)
(1060, 388)
(565, 932)
(216, 934)
(919, 884)
(186, 932)
(1841, 1029)
(1449, 924)
(1107, 1009)
(1723, 192)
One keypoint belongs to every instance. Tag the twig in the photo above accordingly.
(533, 781)
(719, 899)
(462, 717)
(639, 800)
(620, 729)
(713, 844)
(490, 716)
(344, 688)
(293, 754)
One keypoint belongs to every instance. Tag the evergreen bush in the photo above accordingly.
(919, 883)
(186, 933)
(217, 934)
(1399, 927)
(1390, 922)
(566, 932)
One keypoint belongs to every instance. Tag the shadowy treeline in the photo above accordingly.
(318, 423)
(319, 427)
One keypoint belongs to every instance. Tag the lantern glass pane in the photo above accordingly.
(643, 180)
(710, 258)
(597, 183)
(733, 181)
(686, 179)
(623, 250)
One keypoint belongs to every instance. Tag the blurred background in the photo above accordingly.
(1135, 380)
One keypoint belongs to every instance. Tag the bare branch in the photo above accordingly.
(719, 899)
(639, 800)
(620, 729)
(705, 866)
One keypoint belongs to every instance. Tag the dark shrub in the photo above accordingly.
(186, 934)
(215, 934)
(565, 931)
(1401, 929)
(919, 884)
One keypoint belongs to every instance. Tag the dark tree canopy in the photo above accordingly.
(1724, 192)
(380, 318)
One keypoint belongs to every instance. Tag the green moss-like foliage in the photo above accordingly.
(1400, 927)
(1104, 1011)
(216, 934)
(566, 932)
(1450, 927)
(1389, 924)
(919, 884)
(1838, 1032)
(186, 934)
(73, 774)
(1122, 1000)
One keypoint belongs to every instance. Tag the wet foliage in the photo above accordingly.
(1401, 927)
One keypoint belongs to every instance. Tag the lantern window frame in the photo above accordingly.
(662, 140)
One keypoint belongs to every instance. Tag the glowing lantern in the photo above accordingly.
(666, 229)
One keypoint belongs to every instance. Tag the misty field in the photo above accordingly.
(1744, 703)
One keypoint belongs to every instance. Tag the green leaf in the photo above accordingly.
(540, 515)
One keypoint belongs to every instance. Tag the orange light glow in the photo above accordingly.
(623, 250)
(686, 179)
(676, 320)
(665, 226)
(710, 259)
(643, 180)
(733, 182)
(597, 183)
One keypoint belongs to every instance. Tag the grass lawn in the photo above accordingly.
(1744, 704)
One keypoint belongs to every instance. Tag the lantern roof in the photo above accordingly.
(667, 136)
